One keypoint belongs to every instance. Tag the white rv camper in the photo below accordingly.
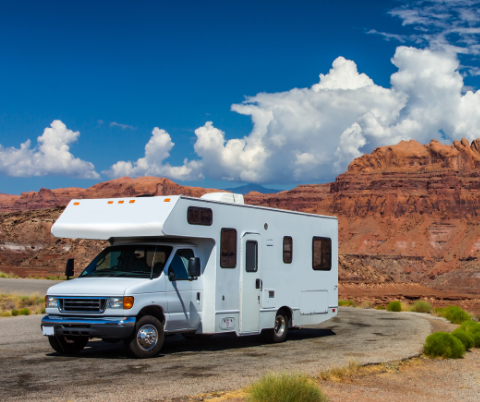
(194, 266)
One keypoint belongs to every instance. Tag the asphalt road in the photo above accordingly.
(31, 371)
(25, 286)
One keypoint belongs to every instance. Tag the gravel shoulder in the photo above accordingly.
(32, 371)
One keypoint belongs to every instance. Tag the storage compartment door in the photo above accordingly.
(314, 302)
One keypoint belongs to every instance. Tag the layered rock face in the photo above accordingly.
(122, 187)
(407, 212)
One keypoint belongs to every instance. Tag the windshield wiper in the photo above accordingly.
(134, 272)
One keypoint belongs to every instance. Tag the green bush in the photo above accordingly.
(453, 314)
(472, 328)
(394, 306)
(464, 337)
(421, 306)
(15, 312)
(285, 387)
(346, 303)
(24, 311)
(443, 344)
(379, 307)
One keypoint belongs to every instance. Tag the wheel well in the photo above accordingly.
(155, 311)
(288, 312)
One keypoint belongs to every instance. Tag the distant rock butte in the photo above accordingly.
(407, 212)
(122, 187)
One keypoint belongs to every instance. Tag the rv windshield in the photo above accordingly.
(131, 261)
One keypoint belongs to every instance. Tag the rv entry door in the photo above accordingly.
(250, 284)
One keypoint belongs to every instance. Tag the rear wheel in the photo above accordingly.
(147, 339)
(68, 345)
(280, 331)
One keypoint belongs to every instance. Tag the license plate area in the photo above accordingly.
(48, 331)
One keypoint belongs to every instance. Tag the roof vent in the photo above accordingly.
(224, 197)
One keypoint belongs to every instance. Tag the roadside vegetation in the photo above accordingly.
(285, 387)
(13, 305)
(453, 314)
(48, 277)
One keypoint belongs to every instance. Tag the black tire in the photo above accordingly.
(279, 332)
(68, 345)
(147, 338)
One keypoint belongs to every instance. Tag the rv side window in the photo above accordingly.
(287, 250)
(199, 216)
(251, 257)
(228, 248)
(322, 254)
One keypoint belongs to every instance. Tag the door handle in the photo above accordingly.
(258, 283)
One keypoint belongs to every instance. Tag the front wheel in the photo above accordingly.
(279, 332)
(147, 339)
(68, 345)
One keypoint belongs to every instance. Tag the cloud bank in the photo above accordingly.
(51, 156)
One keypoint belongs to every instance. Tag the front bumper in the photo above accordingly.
(105, 327)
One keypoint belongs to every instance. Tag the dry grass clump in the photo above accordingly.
(285, 387)
(366, 304)
(21, 305)
(394, 306)
(338, 374)
(346, 303)
(49, 277)
(421, 306)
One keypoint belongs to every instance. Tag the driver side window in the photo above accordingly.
(178, 270)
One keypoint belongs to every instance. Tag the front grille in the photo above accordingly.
(85, 305)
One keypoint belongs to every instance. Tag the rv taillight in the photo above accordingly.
(333, 310)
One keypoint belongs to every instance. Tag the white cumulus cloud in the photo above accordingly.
(51, 156)
(152, 164)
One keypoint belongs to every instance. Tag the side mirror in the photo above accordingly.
(194, 269)
(70, 268)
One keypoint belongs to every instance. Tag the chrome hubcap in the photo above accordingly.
(147, 337)
(280, 325)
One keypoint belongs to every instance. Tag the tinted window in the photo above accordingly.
(179, 264)
(228, 248)
(251, 256)
(129, 261)
(287, 250)
(199, 216)
(322, 254)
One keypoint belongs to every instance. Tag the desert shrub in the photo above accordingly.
(472, 328)
(340, 373)
(453, 314)
(380, 307)
(366, 304)
(285, 387)
(24, 311)
(394, 306)
(42, 310)
(421, 306)
(346, 303)
(464, 337)
(15, 312)
(443, 344)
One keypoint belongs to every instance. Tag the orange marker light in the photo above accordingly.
(110, 202)
(131, 201)
(120, 202)
(76, 203)
(166, 200)
(127, 302)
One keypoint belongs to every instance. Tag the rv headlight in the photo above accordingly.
(51, 301)
(115, 302)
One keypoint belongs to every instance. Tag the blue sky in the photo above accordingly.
(116, 70)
